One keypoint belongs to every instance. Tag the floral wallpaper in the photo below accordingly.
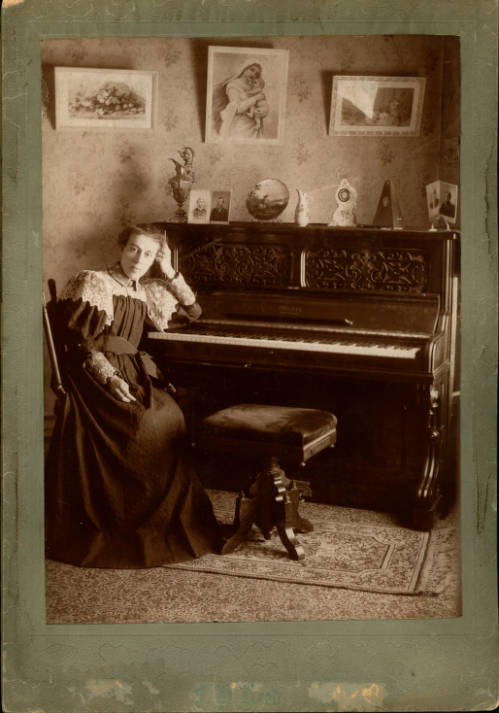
(96, 181)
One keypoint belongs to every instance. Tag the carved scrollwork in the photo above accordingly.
(385, 269)
(237, 266)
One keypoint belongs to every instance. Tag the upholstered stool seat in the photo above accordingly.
(274, 435)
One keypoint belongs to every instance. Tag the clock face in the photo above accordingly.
(344, 195)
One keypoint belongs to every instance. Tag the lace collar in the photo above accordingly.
(117, 274)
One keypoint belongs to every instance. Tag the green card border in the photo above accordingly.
(303, 666)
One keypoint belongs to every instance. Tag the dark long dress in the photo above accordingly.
(120, 487)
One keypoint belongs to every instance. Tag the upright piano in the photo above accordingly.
(359, 321)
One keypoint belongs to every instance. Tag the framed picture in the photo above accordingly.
(433, 199)
(246, 94)
(448, 201)
(103, 98)
(388, 106)
(220, 207)
(199, 206)
(441, 198)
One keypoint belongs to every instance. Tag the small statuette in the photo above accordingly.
(181, 182)
(346, 198)
(302, 217)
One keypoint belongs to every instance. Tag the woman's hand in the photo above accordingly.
(120, 389)
(164, 259)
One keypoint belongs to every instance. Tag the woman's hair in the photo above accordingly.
(149, 230)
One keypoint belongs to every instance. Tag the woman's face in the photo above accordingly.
(138, 255)
(251, 73)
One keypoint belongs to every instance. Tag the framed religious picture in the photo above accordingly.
(374, 106)
(220, 206)
(103, 98)
(199, 206)
(246, 94)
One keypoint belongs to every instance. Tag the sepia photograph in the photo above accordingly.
(87, 98)
(249, 356)
(262, 410)
(246, 95)
(389, 106)
(220, 207)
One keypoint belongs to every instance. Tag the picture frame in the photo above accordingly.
(220, 206)
(236, 74)
(376, 106)
(442, 201)
(103, 98)
(448, 202)
(199, 206)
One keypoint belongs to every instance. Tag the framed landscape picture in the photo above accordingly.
(103, 98)
(246, 94)
(386, 106)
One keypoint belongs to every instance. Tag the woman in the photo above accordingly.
(240, 105)
(120, 487)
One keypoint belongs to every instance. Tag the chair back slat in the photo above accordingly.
(50, 327)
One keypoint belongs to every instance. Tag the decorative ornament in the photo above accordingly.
(388, 213)
(181, 182)
(267, 199)
(346, 198)
(302, 217)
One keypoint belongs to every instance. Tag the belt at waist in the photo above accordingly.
(120, 345)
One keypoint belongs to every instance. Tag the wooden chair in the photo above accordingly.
(275, 435)
(54, 346)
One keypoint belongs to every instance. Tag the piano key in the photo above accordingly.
(331, 346)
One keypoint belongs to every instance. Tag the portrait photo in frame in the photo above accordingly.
(376, 106)
(103, 98)
(220, 206)
(246, 94)
(199, 206)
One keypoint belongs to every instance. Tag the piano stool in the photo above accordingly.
(274, 435)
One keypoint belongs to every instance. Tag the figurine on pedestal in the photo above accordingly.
(181, 182)
(346, 198)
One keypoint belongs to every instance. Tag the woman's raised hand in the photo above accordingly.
(164, 259)
(120, 389)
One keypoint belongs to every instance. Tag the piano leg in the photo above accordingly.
(428, 495)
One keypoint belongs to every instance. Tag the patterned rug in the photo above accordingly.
(349, 548)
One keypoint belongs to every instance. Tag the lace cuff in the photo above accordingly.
(100, 367)
(181, 290)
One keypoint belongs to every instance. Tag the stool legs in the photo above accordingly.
(273, 502)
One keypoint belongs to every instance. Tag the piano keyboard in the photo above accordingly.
(328, 345)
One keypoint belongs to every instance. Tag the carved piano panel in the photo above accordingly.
(357, 321)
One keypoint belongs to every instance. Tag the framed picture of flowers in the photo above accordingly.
(103, 98)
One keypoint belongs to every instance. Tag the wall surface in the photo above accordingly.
(96, 181)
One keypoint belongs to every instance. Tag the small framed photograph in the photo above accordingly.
(448, 201)
(199, 206)
(103, 98)
(220, 206)
(374, 106)
(441, 198)
(246, 94)
(433, 199)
